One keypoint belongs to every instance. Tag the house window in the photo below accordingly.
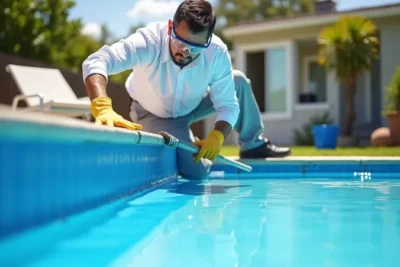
(276, 80)
(269, 66)
(314, 82)
(256, 73)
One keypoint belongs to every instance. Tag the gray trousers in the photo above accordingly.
(249, 126)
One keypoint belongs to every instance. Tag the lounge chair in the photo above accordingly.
(46, 90)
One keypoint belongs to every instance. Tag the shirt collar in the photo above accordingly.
(166, 55)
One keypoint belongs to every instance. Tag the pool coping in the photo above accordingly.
(315, 166)
(44, 127)
(316, 158)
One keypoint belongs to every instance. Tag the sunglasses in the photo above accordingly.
(186, 45)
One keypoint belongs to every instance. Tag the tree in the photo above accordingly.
(106, 36)
(349, 47)
(133, 29)
(219, 33)
(37, 29)
(77, 50)
(234, 11)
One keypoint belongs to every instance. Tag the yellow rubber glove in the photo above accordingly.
(104, 114)
(209, 147)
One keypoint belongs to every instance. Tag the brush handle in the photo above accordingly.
(172, 141)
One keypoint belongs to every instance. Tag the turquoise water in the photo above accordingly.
(250, 222)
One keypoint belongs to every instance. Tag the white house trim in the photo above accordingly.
(240, 59)
(262, 46)
(312, 106)
(293, 74)
(291, 70)
(305, 21)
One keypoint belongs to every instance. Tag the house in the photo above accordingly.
(279, 57)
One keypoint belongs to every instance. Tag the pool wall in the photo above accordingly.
(53, 167)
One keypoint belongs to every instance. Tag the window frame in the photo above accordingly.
(291, 71)
(306, 79)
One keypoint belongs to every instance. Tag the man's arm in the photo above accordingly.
(224, 127)
(101, 104)
(96, 86)
(109, 60)
(223, 96)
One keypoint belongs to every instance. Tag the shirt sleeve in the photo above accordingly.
(120, 56)
(222, 90)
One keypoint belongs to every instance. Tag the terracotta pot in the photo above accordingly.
(381, 137)
(394, 126)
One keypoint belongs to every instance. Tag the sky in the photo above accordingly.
(120, 15)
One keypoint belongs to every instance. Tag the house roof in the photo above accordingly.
(304, 20)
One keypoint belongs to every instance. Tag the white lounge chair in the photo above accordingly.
(46, 90)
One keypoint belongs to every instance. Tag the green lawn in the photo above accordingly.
(340, 151)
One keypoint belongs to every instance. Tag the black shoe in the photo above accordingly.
(266, 150)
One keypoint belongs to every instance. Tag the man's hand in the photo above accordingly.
(209, 147)
(104, 114)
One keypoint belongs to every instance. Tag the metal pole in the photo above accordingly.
(175, 142)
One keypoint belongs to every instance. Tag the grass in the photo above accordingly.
(340, 151)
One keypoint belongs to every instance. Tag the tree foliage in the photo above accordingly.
(43, 30)
(37, 29)
(233, 11)
(348, 47)
(77, 50)
(393, 93)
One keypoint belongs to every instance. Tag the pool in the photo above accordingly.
(230, 222)
(76, 194)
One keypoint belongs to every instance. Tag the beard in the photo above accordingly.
(180, 60)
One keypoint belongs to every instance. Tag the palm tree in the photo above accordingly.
(348, 47)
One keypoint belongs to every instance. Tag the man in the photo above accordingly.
(182, 73)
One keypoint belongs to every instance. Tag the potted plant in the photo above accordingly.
(392, 110)
(319, 131)
(348, 47)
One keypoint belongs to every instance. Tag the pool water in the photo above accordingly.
(249, 222)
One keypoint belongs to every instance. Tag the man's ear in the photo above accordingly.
(169, 26)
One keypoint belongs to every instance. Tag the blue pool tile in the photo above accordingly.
(45, 181)
(306, 168)
(334, 167)
(380, 167)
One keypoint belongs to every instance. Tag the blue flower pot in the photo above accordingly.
(325, 136)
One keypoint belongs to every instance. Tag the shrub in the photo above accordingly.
(393, 93)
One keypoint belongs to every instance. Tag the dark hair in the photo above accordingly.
(198, 14)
